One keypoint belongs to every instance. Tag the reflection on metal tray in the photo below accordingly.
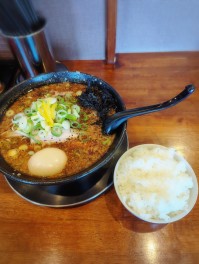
(45, 195)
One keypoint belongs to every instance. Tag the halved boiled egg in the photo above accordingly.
(47, 162)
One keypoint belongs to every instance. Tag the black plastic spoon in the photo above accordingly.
(114, 121)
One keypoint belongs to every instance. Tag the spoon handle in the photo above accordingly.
(112, 122)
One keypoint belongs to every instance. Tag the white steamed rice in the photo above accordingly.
(154, 182)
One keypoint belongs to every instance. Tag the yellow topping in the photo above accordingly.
(47, 111)
(53, 112)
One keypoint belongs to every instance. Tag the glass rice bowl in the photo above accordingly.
(155, 183)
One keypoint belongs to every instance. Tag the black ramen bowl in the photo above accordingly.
(87, 178)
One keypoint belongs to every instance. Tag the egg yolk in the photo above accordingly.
(47, 162)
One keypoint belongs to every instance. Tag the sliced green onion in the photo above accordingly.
(28, 127)
(71, 117)
(73, 100)
(37, 126)
(69, 111)
(64, 114)
(61, 113)
(44, 126)
(47, 95)
(28, 112)
(62, 106)
(59, 119)
(76, 107)
(56, 131)
(17, 118)
(38, 104)
(28, 136)
(75, 113)
(85, 116)
(66, 124)
(23, 121)
(75, 125)
(33, 106)
(36, 118)
(58, 124)
(42, 134)
(34, 132)
(60, 99)
(51, 100)
(68, 104)
(67, 96)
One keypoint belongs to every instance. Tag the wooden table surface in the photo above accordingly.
(103, 231)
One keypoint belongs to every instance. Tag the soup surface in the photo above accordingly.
(51, 117)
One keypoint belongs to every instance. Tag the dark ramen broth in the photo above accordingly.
(83, 151)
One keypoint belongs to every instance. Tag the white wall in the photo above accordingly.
(157, 25)
(76, 28)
